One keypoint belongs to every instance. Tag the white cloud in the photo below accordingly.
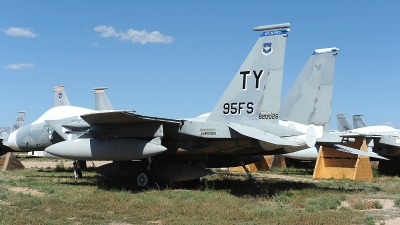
(135, 36)
(20, 32)
(95, 45)
(20, 66)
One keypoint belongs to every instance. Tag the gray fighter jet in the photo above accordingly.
(60, 99)
(383, 140)
(39, 135)
(244, 122)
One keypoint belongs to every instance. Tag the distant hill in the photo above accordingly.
(5, 128)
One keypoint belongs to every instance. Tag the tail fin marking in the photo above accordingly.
(255, 91)
(60, 98)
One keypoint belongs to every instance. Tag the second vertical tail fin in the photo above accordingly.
(343, 123)
(358, 122)
(101, 99)
(309, 100)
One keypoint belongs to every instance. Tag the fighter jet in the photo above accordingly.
(244, 122)
(39, 135)
(60, 99)
(383, 140)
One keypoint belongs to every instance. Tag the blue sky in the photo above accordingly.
(174, 59)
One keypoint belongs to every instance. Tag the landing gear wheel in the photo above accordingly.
(143, 178)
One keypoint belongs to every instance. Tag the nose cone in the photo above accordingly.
(12, 141)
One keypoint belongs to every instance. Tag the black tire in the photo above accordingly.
(143, 178)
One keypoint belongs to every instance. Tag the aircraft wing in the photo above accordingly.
(122, 117)
(350, 150)
(369, 134)
(260, 134)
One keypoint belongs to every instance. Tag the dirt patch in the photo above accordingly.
(4, 203)
(154, 222)
(26, 191)
(393, 221)
(389, 212)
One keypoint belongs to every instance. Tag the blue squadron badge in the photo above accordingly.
(267, 49)
(59, 96)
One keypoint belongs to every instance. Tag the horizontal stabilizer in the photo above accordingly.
(350, 150)
(260, 134)
(369, 134)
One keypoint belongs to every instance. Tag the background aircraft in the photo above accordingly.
(19, 122)
(383, 140)
(61, 99)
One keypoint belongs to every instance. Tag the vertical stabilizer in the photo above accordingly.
(254, 93)
(101, 99)
(60, 98)
(309, 100)
(343, 123)
(358, 122)
(19, 122)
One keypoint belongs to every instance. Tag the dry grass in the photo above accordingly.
(222, 198)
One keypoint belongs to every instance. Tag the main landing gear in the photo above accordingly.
(144, 177)
(77, 170)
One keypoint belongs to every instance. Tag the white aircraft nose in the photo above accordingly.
(12, 141)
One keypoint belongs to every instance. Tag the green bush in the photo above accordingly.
(397, 202)
(369, 220)
(377, 205)
(60, 167)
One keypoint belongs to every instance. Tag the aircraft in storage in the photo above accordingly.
(243, 125)
(244, 122)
